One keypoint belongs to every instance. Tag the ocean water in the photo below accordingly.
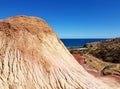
(79, 42)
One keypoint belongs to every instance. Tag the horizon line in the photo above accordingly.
(90, 38)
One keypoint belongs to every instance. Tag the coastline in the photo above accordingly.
(79, 42)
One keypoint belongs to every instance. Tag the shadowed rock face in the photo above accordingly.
(32, 57)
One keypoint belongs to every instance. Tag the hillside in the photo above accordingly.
(108, 50)
(107, 55)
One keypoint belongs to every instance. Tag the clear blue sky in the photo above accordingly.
(70, 18)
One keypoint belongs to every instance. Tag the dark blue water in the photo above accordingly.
(79, 42)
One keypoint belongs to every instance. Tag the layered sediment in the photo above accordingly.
(33, 57)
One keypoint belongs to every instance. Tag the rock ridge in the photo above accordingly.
(33, 57)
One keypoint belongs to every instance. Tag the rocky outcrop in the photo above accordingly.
(32, 57)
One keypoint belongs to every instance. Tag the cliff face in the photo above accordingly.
(32, 57)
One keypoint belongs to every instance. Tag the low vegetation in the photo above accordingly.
(104, 68)
(108, 51)
(102, 56)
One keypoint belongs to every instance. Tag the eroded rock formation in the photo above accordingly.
(32, 57)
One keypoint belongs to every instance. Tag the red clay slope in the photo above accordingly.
(80, 60)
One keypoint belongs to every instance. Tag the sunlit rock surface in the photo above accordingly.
(33, 57)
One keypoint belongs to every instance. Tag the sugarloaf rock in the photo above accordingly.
(33, 57)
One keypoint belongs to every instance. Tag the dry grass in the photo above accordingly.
(94, 62)
(105, 67)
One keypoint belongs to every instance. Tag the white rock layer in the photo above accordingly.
(32, 57)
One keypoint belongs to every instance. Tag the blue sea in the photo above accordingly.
(79, 42)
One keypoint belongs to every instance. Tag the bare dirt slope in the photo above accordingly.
(94, 69)
(32, 57)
